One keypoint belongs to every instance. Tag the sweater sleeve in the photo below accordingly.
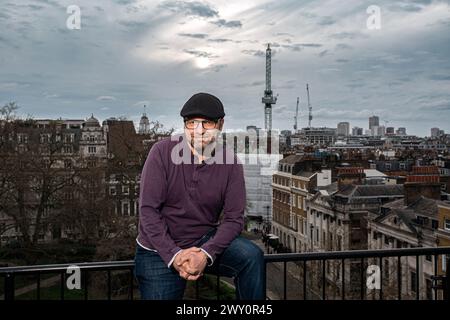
(151, 199)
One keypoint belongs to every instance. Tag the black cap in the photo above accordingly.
(203, 105)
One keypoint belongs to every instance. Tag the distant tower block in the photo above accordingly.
(268, 99)
(309, 107)
(144, 124)
(296, 116)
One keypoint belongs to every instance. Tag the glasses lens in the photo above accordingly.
(209, 124)
(190, 124)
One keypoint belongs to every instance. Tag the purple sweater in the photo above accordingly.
(180, 202)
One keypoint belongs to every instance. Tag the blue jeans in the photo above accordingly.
(242, 260)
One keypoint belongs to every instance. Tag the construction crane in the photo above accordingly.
(309, 107)
(268, 99)
(296, 116)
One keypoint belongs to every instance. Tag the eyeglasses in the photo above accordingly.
(206, 124)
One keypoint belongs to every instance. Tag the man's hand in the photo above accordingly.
(190, 263)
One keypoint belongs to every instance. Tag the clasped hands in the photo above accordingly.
(190, 263)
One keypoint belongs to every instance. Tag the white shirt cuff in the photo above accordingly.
(209, 256)
(173, 258)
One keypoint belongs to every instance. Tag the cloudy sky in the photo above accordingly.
(131, 53)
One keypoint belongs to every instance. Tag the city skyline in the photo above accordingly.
(128, 54)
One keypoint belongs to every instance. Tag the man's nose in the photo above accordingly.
(199, 129)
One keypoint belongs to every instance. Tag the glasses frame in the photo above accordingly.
(197, 122)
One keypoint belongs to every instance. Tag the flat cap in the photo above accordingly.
(203, 105)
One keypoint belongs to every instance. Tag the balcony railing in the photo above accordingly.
(346, 258)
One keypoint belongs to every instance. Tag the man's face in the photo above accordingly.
(202, 131)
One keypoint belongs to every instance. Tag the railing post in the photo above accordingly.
(9, 286)
(264, 280)
(446, 280)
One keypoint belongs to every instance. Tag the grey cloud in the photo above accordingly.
(292, 47)
(252, 84)
(299, 46)
(105, 98)
(194, 8)
(440, 77)
(194, 35)
(326, 21)
(221, 40)
(52, 3)
(342, 46)
(217, 68)
(347, 35)
(35, 7)
(124, 2)
(355, 85)
(251, 41)
(342, 60)
(323, 53)
(281, 109)
(290, 84)
(411, 6)
(284, 34)
(256, 53)
(312, 45)
(134, 24)
(228, 24)
(441, 107)
(198, 53)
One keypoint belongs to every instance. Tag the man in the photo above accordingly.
(180, 234)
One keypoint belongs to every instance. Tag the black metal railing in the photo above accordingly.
(346, 258)
(441, 281)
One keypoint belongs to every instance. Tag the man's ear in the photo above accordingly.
(221, 121)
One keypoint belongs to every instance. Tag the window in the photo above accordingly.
(92, 138)
(67, 163)
(92, 163)
(22, 138)
(125, 190)
(45, 138)
(112, 191)
(92, 149)
(125, 208)
(447, 224)
(444, 262)
(434, 224)
(68, 138)
(386, 240)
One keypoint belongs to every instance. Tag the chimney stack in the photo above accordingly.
(350, 175)
(424, 181)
